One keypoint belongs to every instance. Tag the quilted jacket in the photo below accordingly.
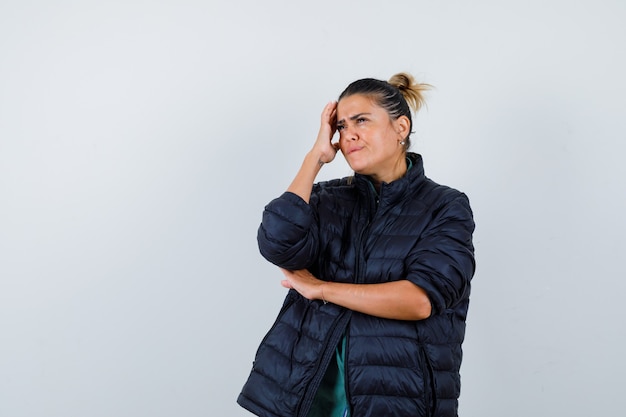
(412, 229)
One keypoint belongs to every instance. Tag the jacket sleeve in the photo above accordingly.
(288, 234)
(442, 263)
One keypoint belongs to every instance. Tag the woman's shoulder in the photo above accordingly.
(426, 187)
(436, 196)
(335, 192)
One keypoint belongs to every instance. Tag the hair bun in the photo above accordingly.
(402, 80)
(412, 91)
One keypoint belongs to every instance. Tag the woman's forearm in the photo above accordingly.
(302, 184)
(400, 300)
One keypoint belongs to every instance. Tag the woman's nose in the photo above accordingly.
(348, 133)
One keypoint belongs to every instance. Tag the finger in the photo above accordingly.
(329, 110)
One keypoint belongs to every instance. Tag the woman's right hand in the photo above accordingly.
(324, 147)
(323, 152)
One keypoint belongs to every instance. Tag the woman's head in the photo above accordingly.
(397, 97)
(374, 124)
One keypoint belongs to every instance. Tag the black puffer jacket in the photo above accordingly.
(414, 229)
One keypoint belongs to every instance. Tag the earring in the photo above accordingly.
(402, 142)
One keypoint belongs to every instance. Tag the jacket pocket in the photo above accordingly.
(287, 304)
(430, 397)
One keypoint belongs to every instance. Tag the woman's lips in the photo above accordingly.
(351, 150)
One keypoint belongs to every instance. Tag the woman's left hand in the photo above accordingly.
(304, 283)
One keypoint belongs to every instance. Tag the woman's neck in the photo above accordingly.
(399, 169)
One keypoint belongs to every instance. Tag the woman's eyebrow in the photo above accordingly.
(356, 116)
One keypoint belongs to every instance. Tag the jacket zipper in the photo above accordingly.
(346, 379)
(430, 398)
(364, 232)
(357, 274)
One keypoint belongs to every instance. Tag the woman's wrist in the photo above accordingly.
(303, 182)
(322, 290)
(314, 159)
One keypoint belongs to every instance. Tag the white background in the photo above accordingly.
(140, 140)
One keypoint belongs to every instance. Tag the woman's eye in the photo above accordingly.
(360, 120)
(340, 128)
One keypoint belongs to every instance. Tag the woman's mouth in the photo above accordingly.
(352, 150)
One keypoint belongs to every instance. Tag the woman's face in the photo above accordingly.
(369, 139)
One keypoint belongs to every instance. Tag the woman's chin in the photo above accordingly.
(355, 164)
(358, 169)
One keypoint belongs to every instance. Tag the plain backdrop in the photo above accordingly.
(140, 141)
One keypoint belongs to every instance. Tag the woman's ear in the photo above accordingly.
(403, 126)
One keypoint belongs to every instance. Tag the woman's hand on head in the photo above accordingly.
(322, 152)
(324, 146)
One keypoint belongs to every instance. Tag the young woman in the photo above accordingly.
(378, 266)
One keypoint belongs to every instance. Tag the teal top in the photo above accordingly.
(330, 399)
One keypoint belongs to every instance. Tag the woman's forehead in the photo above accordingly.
(356, 104)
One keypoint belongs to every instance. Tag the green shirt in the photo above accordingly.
(330, 399)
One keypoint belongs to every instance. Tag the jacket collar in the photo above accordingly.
(391, 192)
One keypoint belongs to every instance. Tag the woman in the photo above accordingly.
(378, 266)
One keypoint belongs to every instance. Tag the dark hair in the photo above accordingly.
(397, 96)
